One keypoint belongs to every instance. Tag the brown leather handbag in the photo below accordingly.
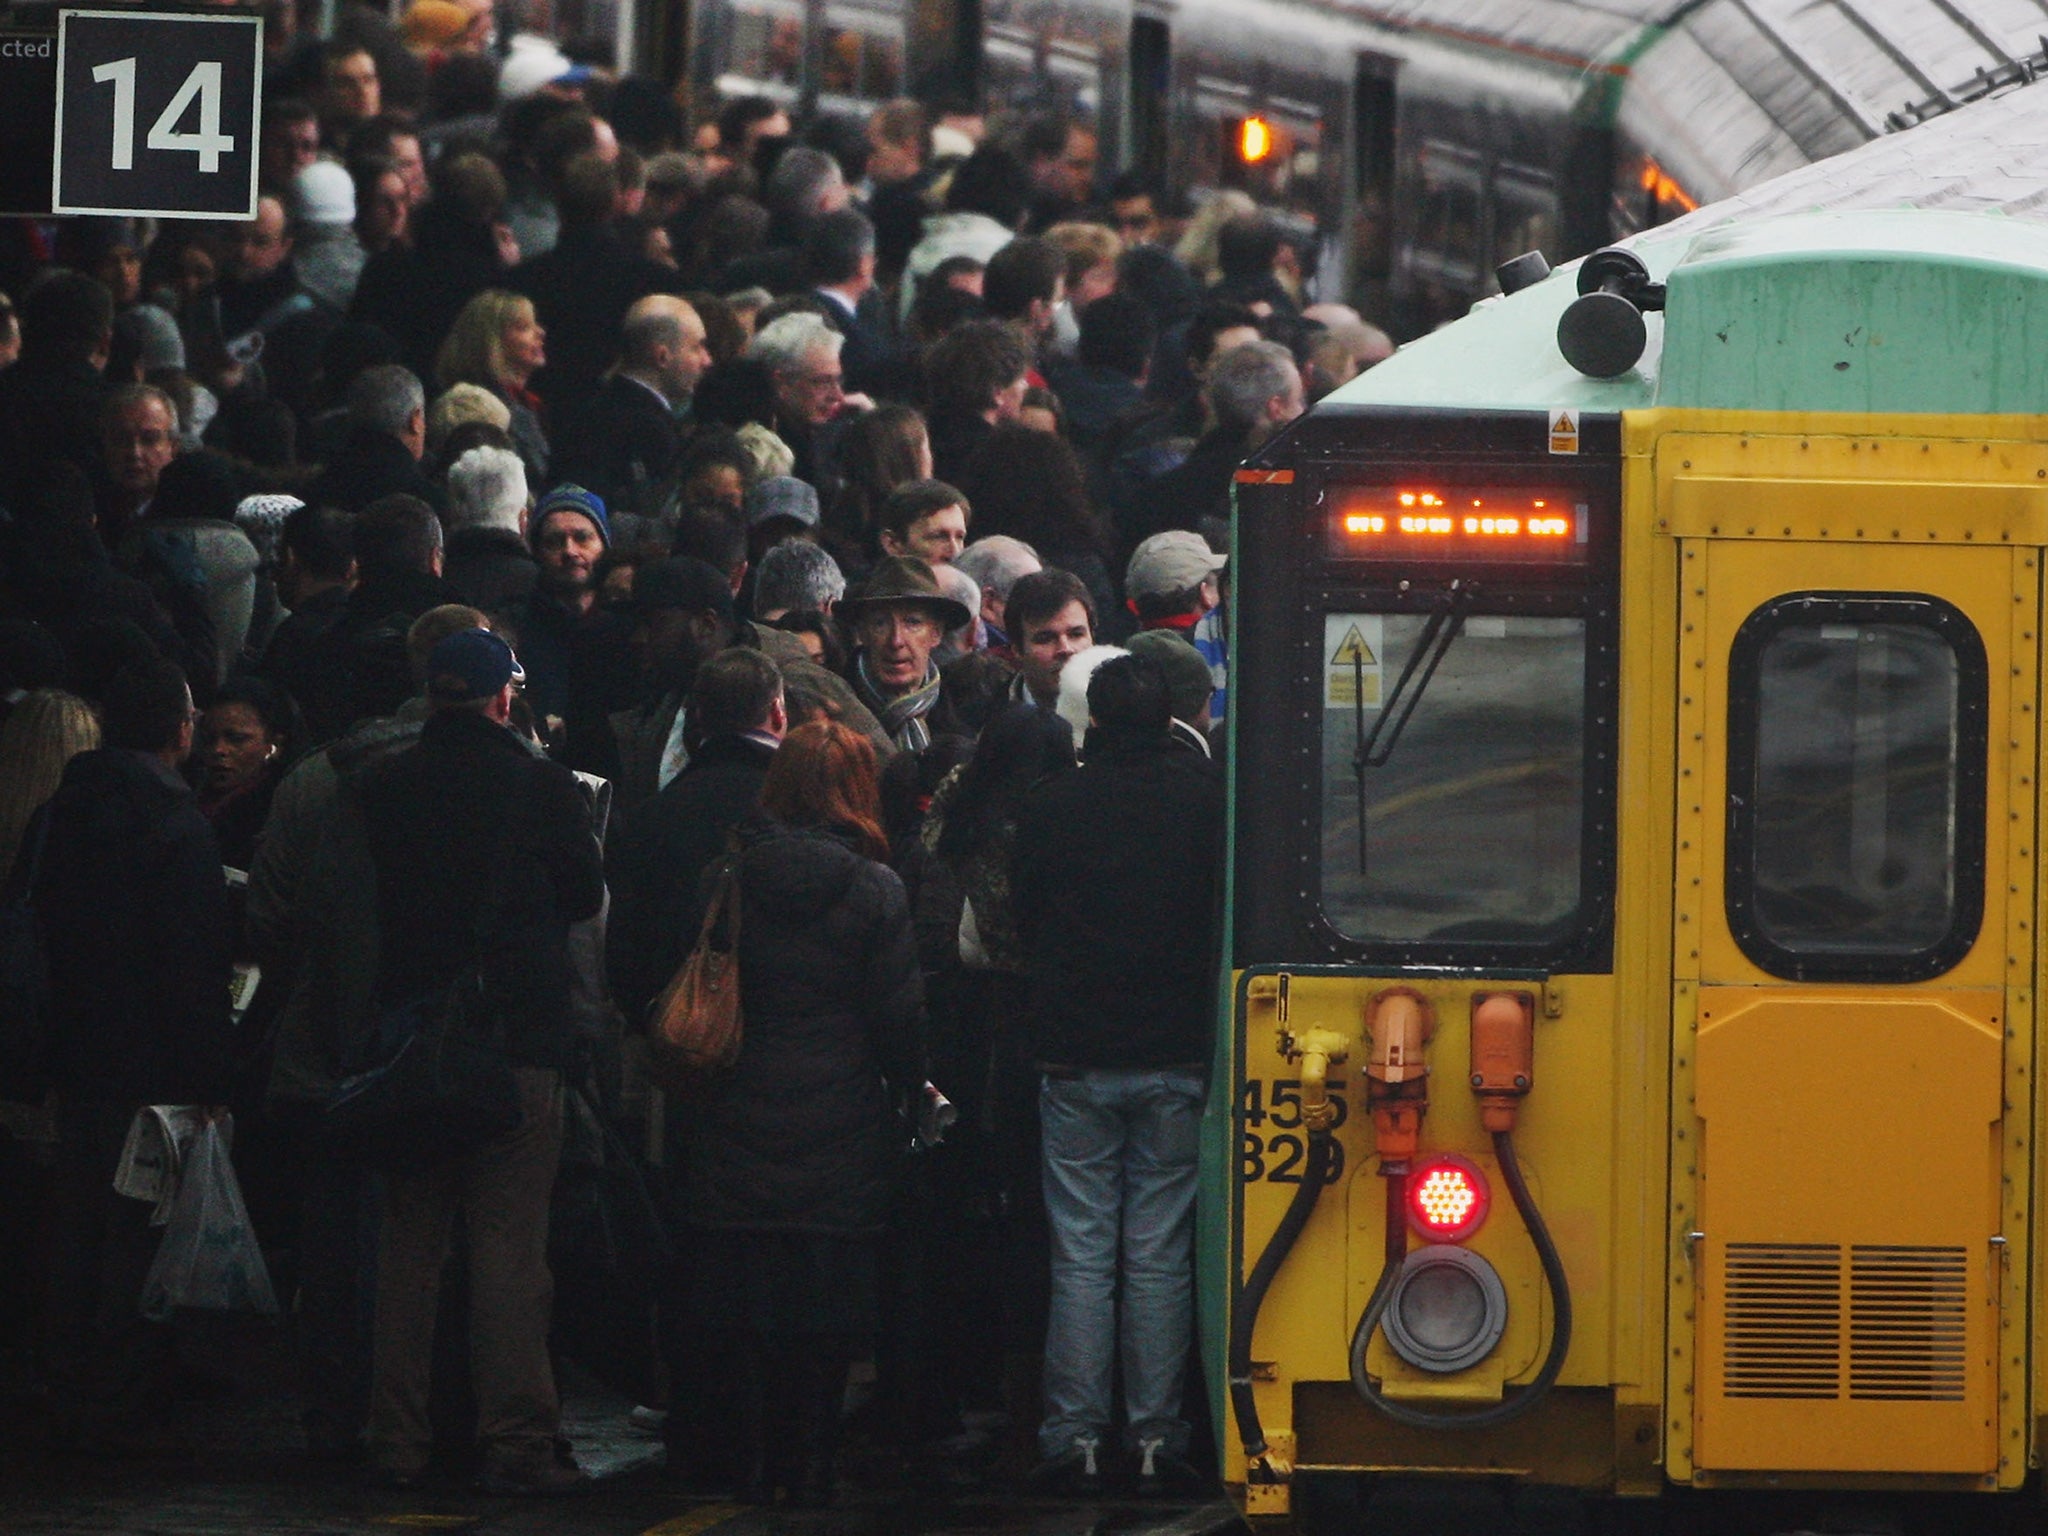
(695, 1026)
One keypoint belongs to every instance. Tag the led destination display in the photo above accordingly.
(1513, 523)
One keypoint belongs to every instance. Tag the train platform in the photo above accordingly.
(241, 1470)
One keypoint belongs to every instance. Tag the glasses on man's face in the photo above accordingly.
(821, 380)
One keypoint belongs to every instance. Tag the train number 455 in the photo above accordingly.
(1277, 1155)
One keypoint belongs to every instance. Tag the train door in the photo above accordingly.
(1151, 92)
(1371, 213)
(1852, 948)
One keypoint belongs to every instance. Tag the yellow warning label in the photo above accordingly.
(1351, 660)
(1564, 431)
(1353, 648)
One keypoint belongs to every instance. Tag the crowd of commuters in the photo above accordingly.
(547, 500)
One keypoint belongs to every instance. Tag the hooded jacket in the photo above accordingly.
(799, 1136)
(135, 911)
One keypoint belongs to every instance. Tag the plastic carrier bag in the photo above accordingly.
(209, 1261)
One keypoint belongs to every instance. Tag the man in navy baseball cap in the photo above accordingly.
(472, 669)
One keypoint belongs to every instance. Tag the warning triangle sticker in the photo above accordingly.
(1352, 648)
(1564, 423)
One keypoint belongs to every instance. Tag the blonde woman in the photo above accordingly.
(1197, 248)
(45, 731)
(498, 344)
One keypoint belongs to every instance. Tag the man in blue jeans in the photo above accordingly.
(1116, 890)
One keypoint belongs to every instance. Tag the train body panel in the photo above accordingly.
(1696, 707)
(1421, 142)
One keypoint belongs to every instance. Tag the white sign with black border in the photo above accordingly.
(157, 114)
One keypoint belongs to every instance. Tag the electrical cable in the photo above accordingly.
(1245, 1316)
(1390, 1272)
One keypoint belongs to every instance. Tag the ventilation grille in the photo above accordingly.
(1784, 1328)
(1906, 1310)
(1784, 1317)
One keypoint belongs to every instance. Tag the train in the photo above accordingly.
(1629, 1069)
(1419, 142)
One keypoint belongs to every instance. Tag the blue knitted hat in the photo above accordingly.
(573, 498)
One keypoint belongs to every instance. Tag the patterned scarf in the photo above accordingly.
(903, 715)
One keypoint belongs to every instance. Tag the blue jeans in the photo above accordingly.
(1120, 1168)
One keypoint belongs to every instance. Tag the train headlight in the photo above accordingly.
(1447, 1198)
(1448, 1309)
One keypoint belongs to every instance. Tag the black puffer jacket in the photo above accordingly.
(135, 909)
(798, 1137)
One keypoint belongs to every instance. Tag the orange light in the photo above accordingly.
(1660, 186)
(1254, 140)
(1497, 516)
(1447, 1199)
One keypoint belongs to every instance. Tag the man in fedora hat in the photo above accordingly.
(898, 620)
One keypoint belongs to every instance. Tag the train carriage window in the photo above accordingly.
(767, 46)
(1464, 826)
(1856, 753)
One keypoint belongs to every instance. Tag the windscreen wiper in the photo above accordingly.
(1446, 622)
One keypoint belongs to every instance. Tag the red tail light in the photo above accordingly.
(1447, 1198)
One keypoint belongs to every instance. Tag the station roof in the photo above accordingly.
(1787, 271)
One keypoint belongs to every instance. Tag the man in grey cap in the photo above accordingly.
(1175, 582)
(789, 503)
(1172, 580)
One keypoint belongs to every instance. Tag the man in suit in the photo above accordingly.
(628, 439)
(582, 289)
(839, 255)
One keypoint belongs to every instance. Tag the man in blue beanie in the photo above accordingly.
(578, 656)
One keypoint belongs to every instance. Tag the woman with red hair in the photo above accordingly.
(787, 1175)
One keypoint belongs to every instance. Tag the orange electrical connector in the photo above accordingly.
(1399, 1022)
(1503, 1055)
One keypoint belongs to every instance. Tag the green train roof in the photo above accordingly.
(1850, 285)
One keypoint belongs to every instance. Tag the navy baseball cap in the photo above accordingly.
(471, 665)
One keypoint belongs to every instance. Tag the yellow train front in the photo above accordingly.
(1631, 1043)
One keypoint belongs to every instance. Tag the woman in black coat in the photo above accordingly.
(788, 1178)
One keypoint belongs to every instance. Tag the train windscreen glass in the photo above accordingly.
(1517, 525)
(1454, 772)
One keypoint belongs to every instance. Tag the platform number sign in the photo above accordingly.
(157, 114)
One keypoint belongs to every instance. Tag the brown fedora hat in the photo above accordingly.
(904, 580)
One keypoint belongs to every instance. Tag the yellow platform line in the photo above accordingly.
(695, 1522)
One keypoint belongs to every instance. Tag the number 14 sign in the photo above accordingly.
(157, 114)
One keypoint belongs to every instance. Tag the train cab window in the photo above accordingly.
(1856, 753)
(1454, 778)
